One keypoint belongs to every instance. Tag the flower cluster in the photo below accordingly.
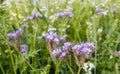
(34, 15)
(80, 51)
(65, 14)
(15, 38)
(62, 53)
(23, 48)
(101, 11)
(15, 35)
(53, 40)
(83, 51)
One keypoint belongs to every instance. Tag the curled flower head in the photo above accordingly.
(34, 15)
(24, 48)
(62, 56)
(51, 36)
(62, 39)
(99, 11)
(15, 35)
(62, 53)
(30, 18)
(60, 14)
(68, 14)
(68, 45)
(56, 41)
(56, 53)
(83, 51)
(12, 36)
(19, 32)
(52, 41)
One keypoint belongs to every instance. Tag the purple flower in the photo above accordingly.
(84, 49)
(60, 14)
(99, 11)
(24, 48)
(69, 14)
(118, 53)
(12, 36)
(30, 18)
(63, 14)
(56, 52)
(62, 39)
(62, 56)
(50, 36)
(19, 32)
(76, 47)
(68, 45)
(90, 45)
(56, 40)
(61, 53)
(37, 15)
(34, 15)
(15, 35)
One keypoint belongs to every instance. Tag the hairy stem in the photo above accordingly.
(71, 70)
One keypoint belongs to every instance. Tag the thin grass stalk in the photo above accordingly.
(11, 57)
(95, 40)
(71, 70)
(2, 69)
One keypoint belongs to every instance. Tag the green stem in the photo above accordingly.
(79, 70)
(2, 69)
(30, 65)
(9, 49)
(71, 70)
(116, 68)
(95, 40)
(57, 68)
(12, 62)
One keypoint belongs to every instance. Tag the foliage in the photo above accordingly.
(88, 24)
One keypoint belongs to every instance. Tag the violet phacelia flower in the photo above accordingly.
(53, 40)
(83, 51)
(118, 53)
(64, 14)
(62, 53)
(34, 15)
(80, 51)
(15, 35)
(23, 48)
